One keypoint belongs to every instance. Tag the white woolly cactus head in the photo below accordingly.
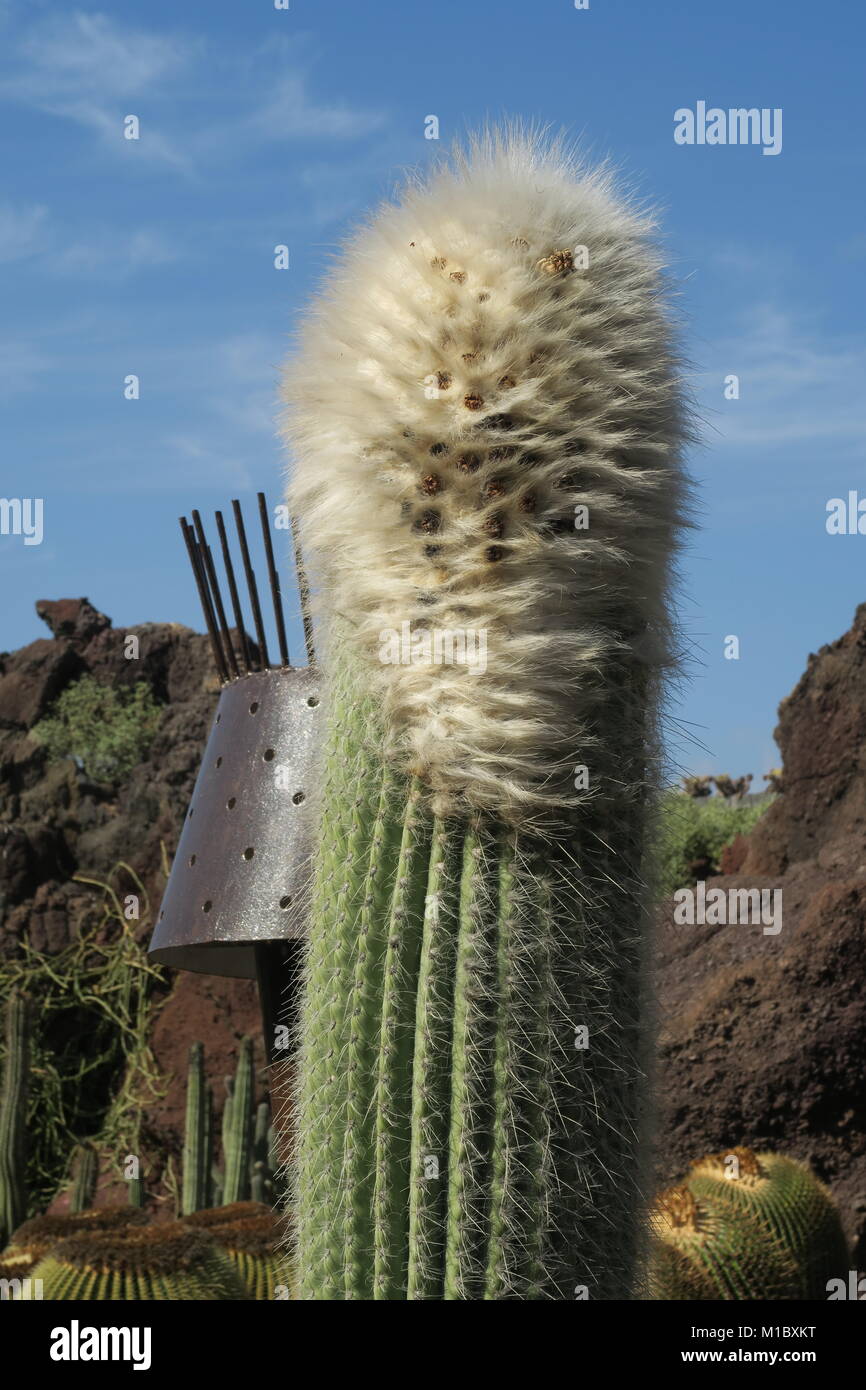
(487, 428)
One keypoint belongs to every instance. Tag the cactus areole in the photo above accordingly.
(486, 433)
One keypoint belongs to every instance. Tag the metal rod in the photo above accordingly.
(275, 581)
(233, 592)
(204, 599)
(251, 584)
(304, 592)
(214, 629)
(217, 597)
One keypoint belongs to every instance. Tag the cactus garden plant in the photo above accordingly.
(85, 1168)
(197, 1156)
(701, 1254)
(170, 1262)
(249, 1234)
(234, 1212)
(787, 1197)
(486, 426)
(248, 1139)
(251, 1245)
(136, 1194)
(13, 1118)
(746, 1226)
(238, 1127)
(35, 1238)
(264, 1156)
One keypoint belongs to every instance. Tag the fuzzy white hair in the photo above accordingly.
(487, 428)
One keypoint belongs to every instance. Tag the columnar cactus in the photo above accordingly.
(238, 1127)
(85, 1169)
(261, 1180)
(486, 425)
(136, 1195)
(197, 1156)
(13, 1118)
(171, 1262)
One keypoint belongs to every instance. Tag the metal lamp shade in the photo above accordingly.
(241, 872)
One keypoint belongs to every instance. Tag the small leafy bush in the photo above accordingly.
(692, 829)
(106, 730)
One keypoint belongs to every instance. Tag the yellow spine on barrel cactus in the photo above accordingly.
(170, 1262)
(743, 1225)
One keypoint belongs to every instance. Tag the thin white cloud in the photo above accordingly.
(288, 113)
(22, 367)
(85, 52)
(88, 69)
(797, 385)
(199, 459)
(114, 255)
(219, 417)
(245, 370)
(22, 230)
(85, 68)
(30, 229)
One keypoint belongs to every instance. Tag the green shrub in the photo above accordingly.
(692, 830)
(107, 731)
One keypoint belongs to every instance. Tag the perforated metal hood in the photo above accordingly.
(240, 876)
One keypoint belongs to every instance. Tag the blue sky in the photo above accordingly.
(262, 126)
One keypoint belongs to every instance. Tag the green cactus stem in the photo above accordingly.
(136, 1195)
(13, 1118)
(197, 1157)
(170, 1262)
(253, 1252)
(238, 1122)
(85, 1166)
(461, 1089)
(261, 1175)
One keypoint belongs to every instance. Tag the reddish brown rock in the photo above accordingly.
(217, 1012)
(733, 856)
(32, 677)
(72, 617)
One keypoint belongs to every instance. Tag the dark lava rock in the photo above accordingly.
(72, 617)
(30, 679)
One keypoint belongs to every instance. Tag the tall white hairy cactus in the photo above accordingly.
(487, 429)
